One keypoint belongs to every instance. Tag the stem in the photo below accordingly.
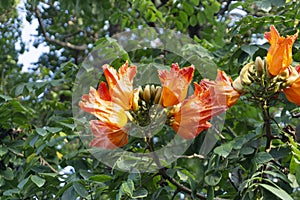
(267, 124)
(163, 173)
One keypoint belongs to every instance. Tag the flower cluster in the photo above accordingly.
(119, 103)
(275, 73)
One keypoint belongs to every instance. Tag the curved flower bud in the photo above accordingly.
(120, 84)
(175, 84)
(279, 56)
(107, 136)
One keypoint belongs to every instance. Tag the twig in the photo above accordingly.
(58, 42)
(191, 156)
(44, 162)
(163, 173)
(267, 124)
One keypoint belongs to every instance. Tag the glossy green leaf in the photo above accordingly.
(41, 131)
(263, 157)
(80, 189)
(38, 180)
(100, 178)
(277, 191)
(69, 194)
(224, 150)
(8, 174)
(128, 187)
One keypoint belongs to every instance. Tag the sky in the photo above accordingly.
(31, 54)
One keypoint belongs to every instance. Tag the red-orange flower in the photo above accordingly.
(279, 56)
(109, 106)
(210, 98)
(120, 84)
(175, 84)
(292, 92)
(107, 136)
(221, 89)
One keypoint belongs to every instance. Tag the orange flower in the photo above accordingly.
(120, 84)
(221, 89)
(279, 56)
(175, 84)
(206, 102)
(109, 106)
(292, 92)
(107, 136)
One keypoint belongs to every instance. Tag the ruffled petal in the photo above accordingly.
(279, 56)
(120, 84)
(107, 136)
(106, 111)
(175, 84)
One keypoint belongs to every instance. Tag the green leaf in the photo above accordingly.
(6, 98)
(100, 178)
(3, 151)
(41, 131)
(262, 157)
(23, 182)
(11, 192)
(278, 3)
(8, 174)
(183, 17)
(201, 17)
(250, 49)
(193, 20)
(277, 191)
(38, 180)
(69, 194)
(224, 150)
(70, 126)
(48, 174)
(188, 8)
(54, 129)
(182, 176)
(195, 2)
(128, 188)
(80, 189)
(213, 179)
(140, 193)
(19, 89)
(264, 5)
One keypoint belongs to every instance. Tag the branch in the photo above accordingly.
(267, 124)
(58, 42)
(163, 173)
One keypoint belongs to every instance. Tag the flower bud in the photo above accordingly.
(259, 64)
(157, 95)
(237, 85)
(147, 94)
(245, 74)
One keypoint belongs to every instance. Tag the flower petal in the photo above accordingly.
(193, 116)
(107, 136)
(221, 89)
(175, 84)
(106, 111)
(120, 84)
(292, 92)
(279, 56)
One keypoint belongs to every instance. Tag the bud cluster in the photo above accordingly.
(146, 104)
(254, 78)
